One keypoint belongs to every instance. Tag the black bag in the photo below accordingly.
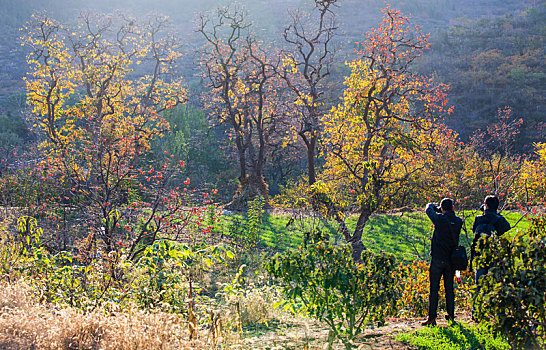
(459, 259)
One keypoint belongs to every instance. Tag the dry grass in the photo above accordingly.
(26, 324)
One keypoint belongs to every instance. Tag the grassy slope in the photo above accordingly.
(406, 235)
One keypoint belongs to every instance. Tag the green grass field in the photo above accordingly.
(406, 235)
(459, 336)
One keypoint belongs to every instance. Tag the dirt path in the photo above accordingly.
(306, 334)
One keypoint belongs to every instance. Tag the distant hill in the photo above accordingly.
(492, 63)
(460, 30)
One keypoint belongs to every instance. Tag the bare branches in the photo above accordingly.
(310, 37)
(245, 91)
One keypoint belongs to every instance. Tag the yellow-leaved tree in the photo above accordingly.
(377, 138)
(96, 93)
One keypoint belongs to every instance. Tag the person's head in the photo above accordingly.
(491, 202)
(446, 204)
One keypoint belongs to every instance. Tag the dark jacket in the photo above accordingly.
(444, 239)
(501, 226)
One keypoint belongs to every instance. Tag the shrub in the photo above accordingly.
(414, 289)
(325, 280)
(512, 298)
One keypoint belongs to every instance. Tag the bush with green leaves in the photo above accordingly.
(59, 277)
(158, 278)
(166, 269)
(512, 297)
(324, 280)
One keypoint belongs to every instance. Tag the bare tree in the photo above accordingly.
(310, 36)
(245, 93)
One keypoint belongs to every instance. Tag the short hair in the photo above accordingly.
(492, 202)
(447, 204)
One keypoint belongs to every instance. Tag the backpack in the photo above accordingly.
(487, 228)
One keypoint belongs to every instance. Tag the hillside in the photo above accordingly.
(490, 64)
(355, 17)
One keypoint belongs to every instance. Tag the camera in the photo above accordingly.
(437, 208)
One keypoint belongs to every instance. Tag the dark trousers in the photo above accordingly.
(439, 269)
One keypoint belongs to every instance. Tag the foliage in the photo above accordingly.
(255, 214)
(455, 337)
(325, 280)
(532, 181)
(158, 280)
(387, 114)
(165, 270)
(98, 121)
(415, 286)
(512, 299)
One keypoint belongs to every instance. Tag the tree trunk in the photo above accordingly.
(242, 157)
(311, 145)
(356, 238)
(311, 160)
(249, 188)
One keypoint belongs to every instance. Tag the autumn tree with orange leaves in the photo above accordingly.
(386, 116)
(97, 92)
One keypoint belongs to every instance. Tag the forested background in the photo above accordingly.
(490, 53)
(183, 174)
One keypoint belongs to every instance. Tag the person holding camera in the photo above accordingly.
(445, 238)
(484, 226)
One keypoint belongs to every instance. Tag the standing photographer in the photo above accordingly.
(484, 226)
(447, 228)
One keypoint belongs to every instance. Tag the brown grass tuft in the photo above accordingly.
(26, 324)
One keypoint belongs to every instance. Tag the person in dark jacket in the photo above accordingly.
(488, 223)
(447, 228)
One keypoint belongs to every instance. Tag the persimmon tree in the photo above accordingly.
(97, 92)
(305, 71)
(533, 178)
(245, 93)
(468, 171)
(383, 122)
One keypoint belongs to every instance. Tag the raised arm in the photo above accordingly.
(433, 216)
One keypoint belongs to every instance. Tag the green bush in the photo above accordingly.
(512, 298)
(324, 279)
(158, 279)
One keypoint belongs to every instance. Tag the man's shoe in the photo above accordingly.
(429, 322)
(450, 318)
